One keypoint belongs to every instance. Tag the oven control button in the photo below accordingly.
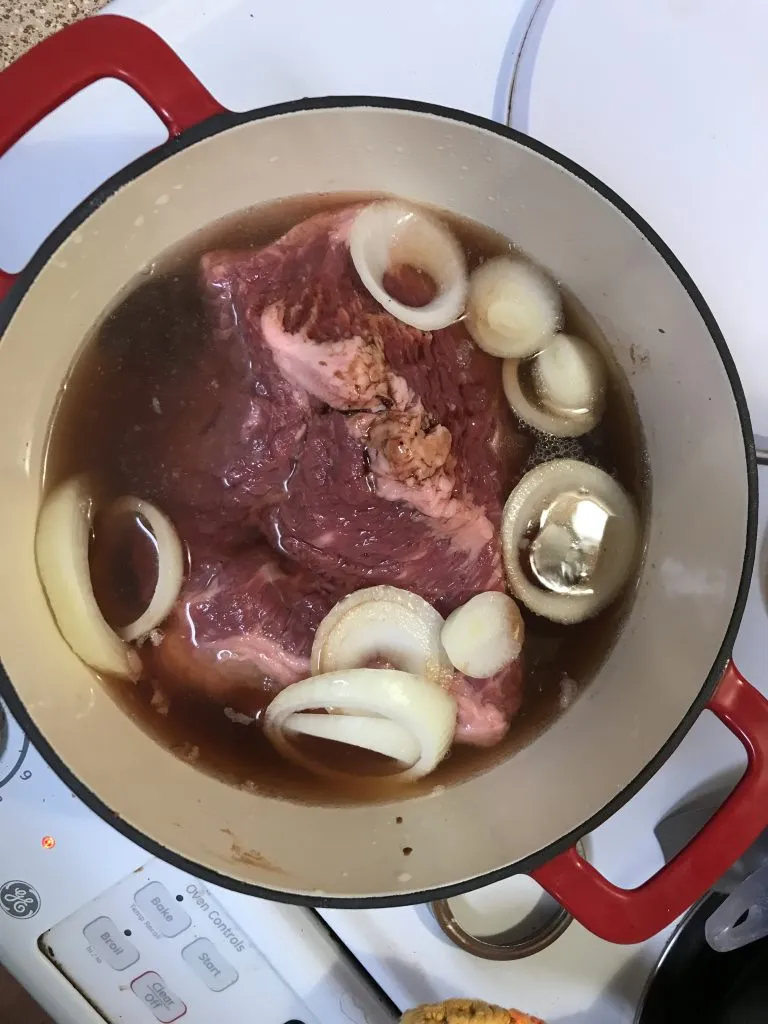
(111, 945)
(161, 910)
(155, 994)
(209, 965)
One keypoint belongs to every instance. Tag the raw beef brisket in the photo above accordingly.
(242, 629)
(362, 450)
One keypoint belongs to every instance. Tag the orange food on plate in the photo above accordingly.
(466, 1011)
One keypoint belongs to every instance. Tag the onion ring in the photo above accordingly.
(386, 233)
(513, 309)
(484, 635)
(532, 495)
(170, 566)
(425, 711)
(61, 551)
(380, 735)
(382, 622)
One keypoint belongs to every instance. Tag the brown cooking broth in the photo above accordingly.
(155, 327)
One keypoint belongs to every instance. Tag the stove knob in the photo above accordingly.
(13, 746)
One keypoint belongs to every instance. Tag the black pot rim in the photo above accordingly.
(213, 126)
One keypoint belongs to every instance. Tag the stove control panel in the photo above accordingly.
(159, 947)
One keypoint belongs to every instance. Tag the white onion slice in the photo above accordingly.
(170, 565)
(569, 380)
(513, 309)
(387, 623)
(524, 507)
(388, 234)
(484, 635)
(61, 550)
(425, 711)
(570, 376)
(377, 734)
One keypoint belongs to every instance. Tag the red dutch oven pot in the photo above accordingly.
(672, 657)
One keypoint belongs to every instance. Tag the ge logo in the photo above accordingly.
(19, 900)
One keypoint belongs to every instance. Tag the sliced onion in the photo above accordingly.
(422, 709)
(170, 566)
(388, 234)
(385, 624)
(61, 550)
(484, 635)
(533, 495)
(377, 734)
(513, 309)
(568, 378)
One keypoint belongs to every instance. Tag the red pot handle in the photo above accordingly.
(109, 46)
(634, 915)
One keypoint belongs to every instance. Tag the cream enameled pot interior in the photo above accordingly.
(696, 539)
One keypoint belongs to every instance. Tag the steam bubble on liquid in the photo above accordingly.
(547, 447)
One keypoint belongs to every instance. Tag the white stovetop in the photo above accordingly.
(658, 98)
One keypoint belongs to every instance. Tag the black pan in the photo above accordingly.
(693, 983)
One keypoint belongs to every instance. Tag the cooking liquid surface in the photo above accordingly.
(159, 325)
